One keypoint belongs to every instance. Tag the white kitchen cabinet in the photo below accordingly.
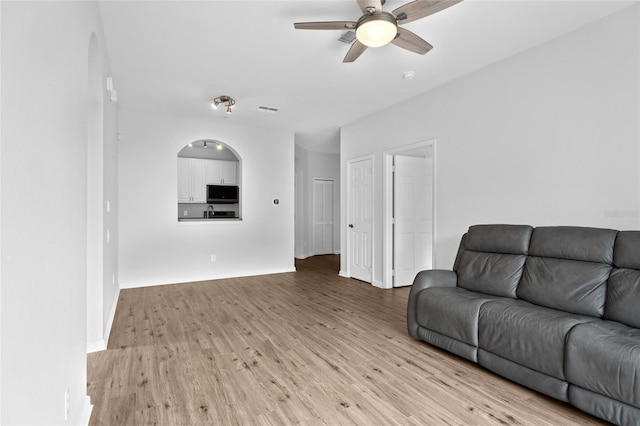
(221, 172)
(191, 180)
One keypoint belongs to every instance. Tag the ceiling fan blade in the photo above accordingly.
(331, 25)
(356, 50)
(365, 4)
(419, 9)
(408, 40)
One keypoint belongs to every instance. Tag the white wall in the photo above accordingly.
(1, 278)
(44, 165)
(110, 267)
(547, 137)
(155, 249)
(311, 165)
(102, 199)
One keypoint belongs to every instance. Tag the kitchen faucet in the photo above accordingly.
(210, 211)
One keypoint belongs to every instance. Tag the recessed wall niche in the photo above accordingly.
(209, 182)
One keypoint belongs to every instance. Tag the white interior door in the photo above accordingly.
(360, 219)
(413, 214)
(323, 216)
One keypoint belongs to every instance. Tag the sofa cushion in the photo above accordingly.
(490, 273)
(568, 268)
(452, 312)
(625, 254)
(623, 289)
(567, 285)
(604, 357)
(574, 243)
(508, 239)
(623, 297)
(493, 258)
(527, 334)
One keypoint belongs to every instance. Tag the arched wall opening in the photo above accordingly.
(209, 182)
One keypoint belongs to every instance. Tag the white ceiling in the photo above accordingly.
(173, 57)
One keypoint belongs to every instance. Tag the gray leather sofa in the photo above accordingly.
(556, 309)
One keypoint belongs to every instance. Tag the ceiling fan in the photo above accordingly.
(376, 27)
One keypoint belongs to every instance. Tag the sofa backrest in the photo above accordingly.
(568, 268)
(623, 290)
(492, 258)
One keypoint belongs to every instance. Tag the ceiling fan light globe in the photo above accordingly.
(376, 31)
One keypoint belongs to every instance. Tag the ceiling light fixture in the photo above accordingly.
(228, 100)
(377, 30)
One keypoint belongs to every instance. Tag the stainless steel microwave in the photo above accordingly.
(222, 194)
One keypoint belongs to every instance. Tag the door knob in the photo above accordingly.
(351, 225)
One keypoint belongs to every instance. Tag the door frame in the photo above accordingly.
(373, 212)
(387, 211)
(313, 214)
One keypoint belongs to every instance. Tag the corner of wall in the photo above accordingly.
(0, 216)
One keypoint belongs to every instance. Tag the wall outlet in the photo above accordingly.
(185, 213)
(67, 403)
(213, 257)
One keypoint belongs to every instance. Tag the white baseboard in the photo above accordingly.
(86, 411)
(96, 346)
(343, 274)
(101, 345)
(379, 284)
(112, 315)
(192, 279)
(307, 255)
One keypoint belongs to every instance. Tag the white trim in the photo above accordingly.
(191, 279)
(101, 345)
(1, 400)
(110, 318)
(96, 346)
(343, 274)
(86, 411)
(387, 193)
(378, 284)
(313, 214)
(387, 219)
(373, 210)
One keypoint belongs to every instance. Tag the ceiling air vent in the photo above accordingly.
(269, 109)
(349, 37)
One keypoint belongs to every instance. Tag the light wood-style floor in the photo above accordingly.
(306, 348)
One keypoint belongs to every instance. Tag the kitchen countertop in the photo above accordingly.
(211, 219)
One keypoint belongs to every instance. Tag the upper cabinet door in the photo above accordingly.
(198, 185)
(229, 171)
(222, 172)
(184, 180)
(191, 181)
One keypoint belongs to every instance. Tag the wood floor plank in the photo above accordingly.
(302, 348)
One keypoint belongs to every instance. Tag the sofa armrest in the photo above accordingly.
(426, 279)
